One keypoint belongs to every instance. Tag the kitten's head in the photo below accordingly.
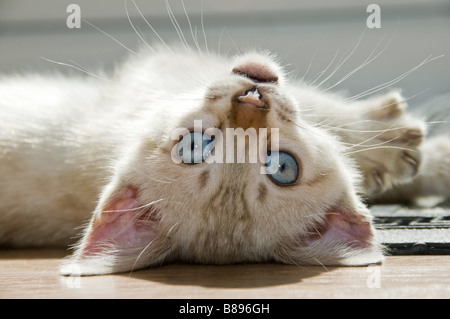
(235, 175)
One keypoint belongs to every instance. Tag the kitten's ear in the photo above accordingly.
(349, 238)
(123, 235)
(342, 238)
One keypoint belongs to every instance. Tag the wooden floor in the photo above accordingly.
(34, 274)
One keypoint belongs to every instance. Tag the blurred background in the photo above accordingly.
(324, 42)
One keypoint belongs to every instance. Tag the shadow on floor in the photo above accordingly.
(177, 274)
(229, 276)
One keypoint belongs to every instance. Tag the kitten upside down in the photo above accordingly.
(72, 146)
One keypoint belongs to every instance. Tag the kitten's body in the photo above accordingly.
(72, 146)
(51, 162)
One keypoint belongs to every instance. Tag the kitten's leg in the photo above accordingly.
(385, 142)
(432, 184)
(380, 136)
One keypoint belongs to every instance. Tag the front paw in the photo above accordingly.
(387, 150)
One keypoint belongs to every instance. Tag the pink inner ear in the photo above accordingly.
(121, 224)
(350, 229)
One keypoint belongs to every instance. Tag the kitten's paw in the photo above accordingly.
(387, 149)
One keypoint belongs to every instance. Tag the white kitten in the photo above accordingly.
(70, 146)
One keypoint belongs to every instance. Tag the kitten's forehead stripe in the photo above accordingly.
(262, 192)
(203, 178)
(229, 199)
(245, 215)
(226, 213)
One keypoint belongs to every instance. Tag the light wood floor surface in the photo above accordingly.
(34, 274)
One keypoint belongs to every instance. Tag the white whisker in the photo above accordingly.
(321, 264)
(150, 26)
(219, 49)
(139, 256)
(152, 178)
(134, 209)
(363, 143)
(77, 68)
(309, 65)
(111, 37)
(365, 131)
(194, 38)
(392, 82)
(134, 28)
(346, 59)
(203, 29)
(325, 70)
(364, 64)
(381, 147)
(176, 25)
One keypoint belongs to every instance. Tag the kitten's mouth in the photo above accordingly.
(249, 109)
(253, 97)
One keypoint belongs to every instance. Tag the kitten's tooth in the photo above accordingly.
(253, 97)
(249, 109)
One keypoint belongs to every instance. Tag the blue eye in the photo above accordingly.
(287, 172)
(195, 147)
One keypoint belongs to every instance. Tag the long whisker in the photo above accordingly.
(194, 38)
(139, 256)
(134, 28)
(152, 178)
(325, 70)
(309, 65)
(111, 37)
(366, 131)
(219, 46)
(381, 147)
(346, 59)
(365, 63)
(391, 82)
(363, 143)
(203, 29)
(150, 26)
(318, 107)
(133, 209)
(79, 68)
(176, 25)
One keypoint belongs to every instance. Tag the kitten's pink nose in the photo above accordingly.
(258, 73)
